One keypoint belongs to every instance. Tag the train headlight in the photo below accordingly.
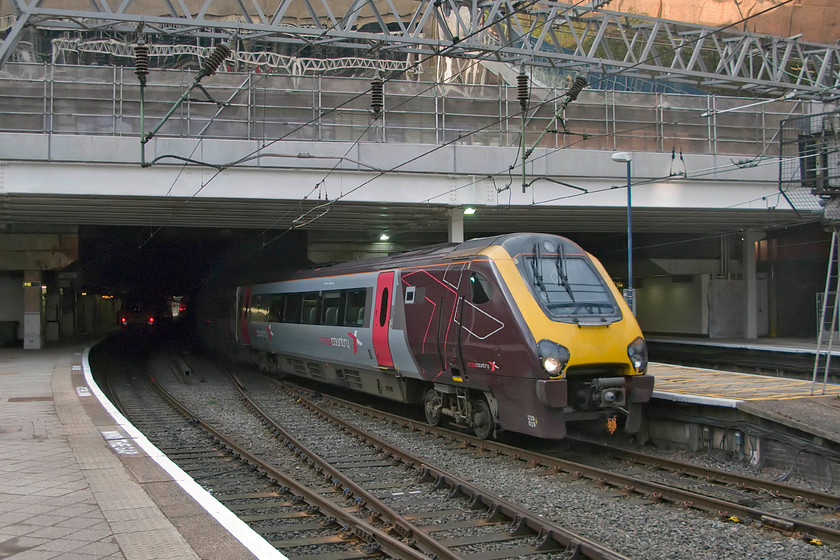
(637, 352)
(553, 357)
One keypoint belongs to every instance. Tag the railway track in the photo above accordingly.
(807, 514)
(637, 525)
(350, 496)
(469, 521)
(308, 517)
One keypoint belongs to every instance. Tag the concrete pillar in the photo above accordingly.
(33, 331)
(456, 225)
(751, 284)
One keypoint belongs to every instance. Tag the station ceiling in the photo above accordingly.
(278, 215)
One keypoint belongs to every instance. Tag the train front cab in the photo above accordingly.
(591, 357)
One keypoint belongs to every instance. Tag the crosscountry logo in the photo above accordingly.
(483, 365)
(356, 341)
(341, 342)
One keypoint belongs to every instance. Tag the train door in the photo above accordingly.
(430, 300)
(382, 318)
(451, 330)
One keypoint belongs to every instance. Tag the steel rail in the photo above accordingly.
(776, 489)
(520, 518)
(367, 532)
(626, 484)
(402, 526)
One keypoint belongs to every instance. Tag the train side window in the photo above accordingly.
(256, 312)
(480, 289)
(275, 308)
(331, 302)
(291, 312)
(383, 307)
(310, 308)
(354, 310)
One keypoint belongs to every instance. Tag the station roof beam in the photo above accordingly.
(535, 33)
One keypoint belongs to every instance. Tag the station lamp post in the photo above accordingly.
(629, 293)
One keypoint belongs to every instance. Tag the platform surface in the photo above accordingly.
(710, 386)
(75, 484)
(784, 345)
(813, 408)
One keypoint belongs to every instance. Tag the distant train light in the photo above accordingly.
(384, 237)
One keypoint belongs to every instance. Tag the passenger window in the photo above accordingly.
(331, 308)
(480, 289)
(275, 309)
(354, 315)
(291, 312)
(310, 308)
(383, 308)
(257, 313)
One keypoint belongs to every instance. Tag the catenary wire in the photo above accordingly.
(219, 170)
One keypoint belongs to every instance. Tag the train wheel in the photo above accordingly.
(482, 419)
(432, 405)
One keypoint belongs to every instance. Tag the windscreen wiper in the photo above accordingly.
(536, 265)
(562, 277)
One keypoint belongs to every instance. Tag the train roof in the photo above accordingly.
(513, 243)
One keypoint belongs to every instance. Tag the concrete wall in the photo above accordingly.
(727, 308)
(11, 300)
(704, 306)
(675, 307)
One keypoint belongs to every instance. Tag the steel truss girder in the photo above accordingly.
(530, 33)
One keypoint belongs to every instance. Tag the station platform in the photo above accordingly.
(793, 356)
(80, 482)
(800, 404)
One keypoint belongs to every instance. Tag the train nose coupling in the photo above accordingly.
(601, 393)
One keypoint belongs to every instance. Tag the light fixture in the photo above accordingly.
(469, 211)
(384, 237)
(629, 293)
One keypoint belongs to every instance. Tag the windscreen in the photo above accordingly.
(568, 287)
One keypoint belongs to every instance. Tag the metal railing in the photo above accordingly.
(105, 100)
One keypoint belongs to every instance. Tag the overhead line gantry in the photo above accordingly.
(582, 37)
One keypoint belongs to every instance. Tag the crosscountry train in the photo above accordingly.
(520, 332)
